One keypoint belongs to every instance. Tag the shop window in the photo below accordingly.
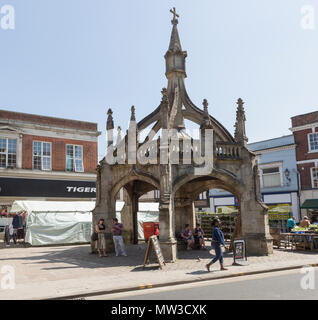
(8, 153)
(313, 142)
(74, 158)
(42, 155)
(271, 177)
(314, 177)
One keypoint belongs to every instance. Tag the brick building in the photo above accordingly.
(46, 158)
(305, 131)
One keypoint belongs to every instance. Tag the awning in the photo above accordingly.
(310, 204)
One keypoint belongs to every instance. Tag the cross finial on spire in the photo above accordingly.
(174, 20)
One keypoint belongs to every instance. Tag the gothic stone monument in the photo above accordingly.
(165, 161)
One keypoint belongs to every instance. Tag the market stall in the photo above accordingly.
(302, 238)
(57, 222)
(278, 215)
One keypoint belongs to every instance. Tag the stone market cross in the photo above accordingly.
(233, 166)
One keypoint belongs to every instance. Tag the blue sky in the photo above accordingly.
(76, 58)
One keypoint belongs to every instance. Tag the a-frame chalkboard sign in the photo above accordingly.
(153, 242)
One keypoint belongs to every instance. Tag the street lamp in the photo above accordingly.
(287, 173)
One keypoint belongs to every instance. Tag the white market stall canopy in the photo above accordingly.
(58, 222)
(66, 222)
(57, 206)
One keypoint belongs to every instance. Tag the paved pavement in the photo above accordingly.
(281, 285)
(48, 272)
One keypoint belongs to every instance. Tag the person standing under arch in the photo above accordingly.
(117, 229)
(101, 242)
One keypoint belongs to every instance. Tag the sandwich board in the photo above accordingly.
(239, 253)
(154, 243)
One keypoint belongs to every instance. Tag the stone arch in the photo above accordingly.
(189, 187)
(141, 177)
(223, 178)
(135, 185)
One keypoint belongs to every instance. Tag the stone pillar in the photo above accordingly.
(254, 215)
(167, 239)
(106, 207)
(255, 226)
(127, 219)
(184, 214)
(135, 217)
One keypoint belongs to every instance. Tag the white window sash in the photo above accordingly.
(267, 166)
(75, 158)
(45, 156)
(312, 177)
(309, 144)
(42, 156)
(7, 153)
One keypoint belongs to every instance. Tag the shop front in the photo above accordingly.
(12, 189)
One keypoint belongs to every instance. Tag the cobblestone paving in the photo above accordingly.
(42, 272)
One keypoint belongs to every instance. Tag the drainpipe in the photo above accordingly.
(298, 192)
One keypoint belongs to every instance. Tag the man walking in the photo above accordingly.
(217, 242)
(117, 229)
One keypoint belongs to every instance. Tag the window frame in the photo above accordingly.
(312, 177)
(309, 145)
(7, 152)
(278, 165)
(74, 158)
(50, 143)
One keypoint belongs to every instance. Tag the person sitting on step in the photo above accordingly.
(199, 236)
(187, 237)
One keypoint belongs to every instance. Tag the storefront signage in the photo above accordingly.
(15, 187)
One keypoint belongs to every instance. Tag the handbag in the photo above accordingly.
(95, 236)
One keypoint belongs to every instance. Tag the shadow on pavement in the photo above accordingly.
(198, 272)
(78, 257)
(146, 268)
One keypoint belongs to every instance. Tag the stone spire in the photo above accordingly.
(132, 134)
(175, 45)
(110, 122)
(175, 73)
(164, 108)
(132, 115)
(205, 124)
(239, 134)
(175, 57)
(110, 127)
(119, 138)
(206, 121)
